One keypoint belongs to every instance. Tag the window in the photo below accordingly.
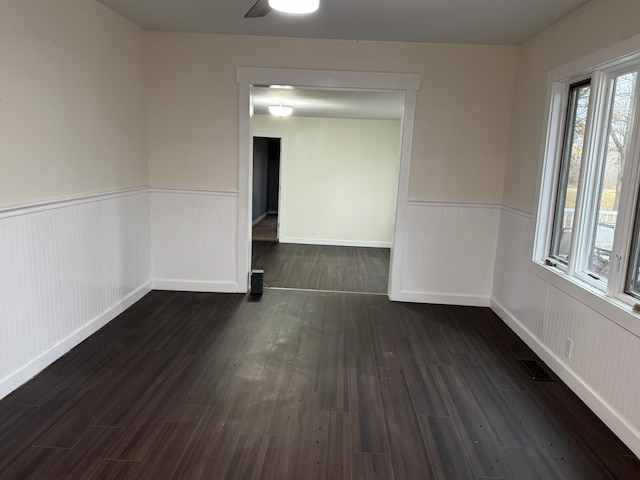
(575, 127)
(592, 216)
(633, 278)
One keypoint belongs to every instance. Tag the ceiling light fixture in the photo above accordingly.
(295, 6)
(280, 110)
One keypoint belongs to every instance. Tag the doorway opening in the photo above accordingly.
(266, 189)
(340, 192)
(407, 84)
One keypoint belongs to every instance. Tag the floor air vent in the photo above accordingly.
(537, 371)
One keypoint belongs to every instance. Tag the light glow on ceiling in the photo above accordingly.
(295, 6)
(280, 110)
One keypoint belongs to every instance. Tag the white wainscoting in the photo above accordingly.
(603, 367)
(194, 240)
(449, 252)
(67, 268)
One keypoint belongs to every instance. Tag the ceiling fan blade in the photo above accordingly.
(259, 9)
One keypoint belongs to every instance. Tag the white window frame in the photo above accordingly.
(608, 298)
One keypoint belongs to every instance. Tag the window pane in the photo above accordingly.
(570, 170)
(633, 276)
(610, 179)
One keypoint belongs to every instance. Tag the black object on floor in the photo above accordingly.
(257, 282)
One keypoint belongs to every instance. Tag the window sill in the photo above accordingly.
(613, 309)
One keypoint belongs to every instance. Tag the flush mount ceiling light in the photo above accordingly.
(295, 6)
(280, 110)
(263, 7)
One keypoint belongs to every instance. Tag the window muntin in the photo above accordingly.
(574, 136)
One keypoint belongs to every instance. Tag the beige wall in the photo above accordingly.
(462, 117)
(341, 177)
(72, 113)
(595, 26)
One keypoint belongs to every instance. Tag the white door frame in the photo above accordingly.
(409, 83)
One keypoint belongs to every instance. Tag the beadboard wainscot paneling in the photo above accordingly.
(194, 240)
(68, 268)
(449, 253)
(602, 368)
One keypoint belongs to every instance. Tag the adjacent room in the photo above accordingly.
(325, 183)
(444, 206)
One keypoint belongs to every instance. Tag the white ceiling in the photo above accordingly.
(507, 22)
(504, 22)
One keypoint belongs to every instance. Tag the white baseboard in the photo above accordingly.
(441, 298)
(35, 366)
(335, 243)
(260, 218)
(197, 286)
(629, 435)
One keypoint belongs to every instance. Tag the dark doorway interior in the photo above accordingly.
(266, 186)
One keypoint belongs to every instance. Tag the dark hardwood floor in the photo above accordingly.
(266, 230)
(322, 267)
(301, 385)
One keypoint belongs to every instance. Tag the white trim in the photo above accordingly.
(546, 191)
(259, 219)
(28, 208)
(400, 225)
(282, 175)
(517, 211)
(35, 366)
(428, 203)
(191, 191)
(442, 298)
(247, 76)
(328, 78)
(622, 51)
(245, 184)
(595, 402)
(195, 286)
(333, 242)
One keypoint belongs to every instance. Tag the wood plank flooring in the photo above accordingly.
(266, 230)
(301, 385)
(322, 267)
